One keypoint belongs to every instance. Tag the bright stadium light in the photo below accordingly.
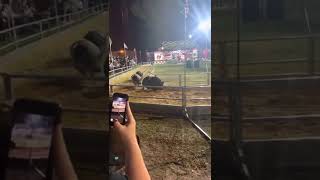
(190, 36)
(205, 26)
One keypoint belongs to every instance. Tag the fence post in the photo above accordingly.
(111, 89)
(311, 67)
(208, 78)
(15, 37)
(184, 97)
(7, 87)
(235, 113)
(222, 58)
(41, 29)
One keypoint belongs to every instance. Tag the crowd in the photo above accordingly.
(20, 12)
(120, 62)
(24, 11)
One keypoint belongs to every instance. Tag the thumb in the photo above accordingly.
(117, 124)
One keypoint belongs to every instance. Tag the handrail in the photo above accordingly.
(15, 41)
(266, 79)
(197, 127)
(48, 19)
(8, 86)
(287, 37)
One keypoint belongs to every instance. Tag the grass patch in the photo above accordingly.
(170, 74)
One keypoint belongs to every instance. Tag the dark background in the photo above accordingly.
(150, 22)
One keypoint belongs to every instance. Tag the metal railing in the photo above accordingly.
(9, 92)
(183, 99)
(223, 4)
(182, 90)
(235, 107)
(220, 59)
(206, 80)
(60, 23)
(119, 71)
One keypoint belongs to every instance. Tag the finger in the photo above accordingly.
(129, 114)
(117, 124)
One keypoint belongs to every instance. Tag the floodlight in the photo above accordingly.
(205, 26)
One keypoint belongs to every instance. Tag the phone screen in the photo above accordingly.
(118, 110)
(29, 147)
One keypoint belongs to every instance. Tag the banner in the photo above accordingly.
(158, 56)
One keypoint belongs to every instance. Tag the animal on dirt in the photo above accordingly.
(152, 80)
(136, 79)
(89, 54)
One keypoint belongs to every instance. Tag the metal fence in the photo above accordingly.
(9, 93)
(234, 115)
(220, 60)
(223, 4)
(181, 88)
(43, 26)
(205, 80)
(118, 71)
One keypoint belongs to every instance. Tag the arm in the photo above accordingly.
(135, 166)
(62, 164)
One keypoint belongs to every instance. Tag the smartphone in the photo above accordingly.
(118, 108)
(29, 154)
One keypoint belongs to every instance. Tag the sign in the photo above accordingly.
(167, 55)
(194, 53)
(158, 56)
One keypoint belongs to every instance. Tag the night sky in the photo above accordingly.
(164, 19)
(151, 22)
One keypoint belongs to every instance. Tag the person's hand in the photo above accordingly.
(126, 133)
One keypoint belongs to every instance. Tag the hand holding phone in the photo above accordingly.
(118, 109)
(122, 137)
(127, 133)
(29, 143)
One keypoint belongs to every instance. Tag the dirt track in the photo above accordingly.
(167, 93)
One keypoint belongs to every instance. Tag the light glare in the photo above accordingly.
(205, 25)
